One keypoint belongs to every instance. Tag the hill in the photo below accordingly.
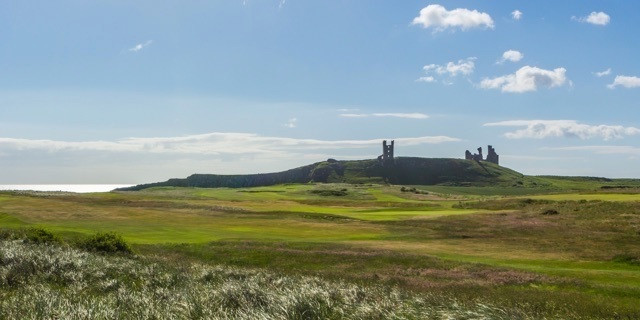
(404, 170)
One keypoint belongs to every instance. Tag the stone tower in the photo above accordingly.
(387, 152)
(492, 156)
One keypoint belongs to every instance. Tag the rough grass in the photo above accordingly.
(53, 282)
(476, 244)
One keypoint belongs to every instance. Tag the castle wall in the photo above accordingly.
(492, 156)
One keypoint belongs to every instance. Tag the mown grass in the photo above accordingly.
(468, 243)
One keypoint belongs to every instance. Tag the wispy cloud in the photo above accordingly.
(595, 18)
(138, 47)
(535, 158)
(439, 18)
(292, 123)
(463, 66)
(426, 79)
(625, 81)
(452, 69)
(527, 79)
(516, 14)
(603, 73)
(540, 129)
(209, 143)
(628, 150)
(392, 115)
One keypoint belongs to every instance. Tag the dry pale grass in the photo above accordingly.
(52, 282)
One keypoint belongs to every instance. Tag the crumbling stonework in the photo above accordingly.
(492, 156)
(387, 152)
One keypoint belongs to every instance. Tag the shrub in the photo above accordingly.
(41, 235)
(330, 192)
(108, 242)
(10, 234)
(627, 258)
(550, 212)
(414, 190)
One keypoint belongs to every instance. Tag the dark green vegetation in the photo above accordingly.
(109, 242)
(530, 251)
(405, 170)
(444, 172)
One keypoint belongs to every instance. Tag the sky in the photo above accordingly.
(140, 91)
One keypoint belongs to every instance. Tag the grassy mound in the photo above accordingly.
(405, 170)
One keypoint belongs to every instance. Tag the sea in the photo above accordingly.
(77, 188)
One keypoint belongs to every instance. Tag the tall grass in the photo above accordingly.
(49, 281)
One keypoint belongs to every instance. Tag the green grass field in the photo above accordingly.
(552, 254)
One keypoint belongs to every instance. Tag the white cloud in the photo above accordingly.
(540, 129)
(511, 55)
(596, 18)
(527, 79)
(140, 46)
(516, 14)
(438, 17)
(463, 66)
(282, 3)
(216, 143)
(354, 115)
(603, 73)
(426, 79)
(452, 69)
(625, 81)
(627, 150)
(392, 115)
(292, 123)
(402, 115)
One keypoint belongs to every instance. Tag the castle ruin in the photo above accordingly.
(387, 152)
(492, 156)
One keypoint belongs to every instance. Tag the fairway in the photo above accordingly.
(458, 242)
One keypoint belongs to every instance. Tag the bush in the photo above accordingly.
(330, 192)
(10, 234)
(41, 235)
(414, 190)
(627, 258)
(550, 212)
(108, 242)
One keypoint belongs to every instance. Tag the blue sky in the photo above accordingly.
(140, 91)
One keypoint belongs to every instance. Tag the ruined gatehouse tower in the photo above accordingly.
(387, 152)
